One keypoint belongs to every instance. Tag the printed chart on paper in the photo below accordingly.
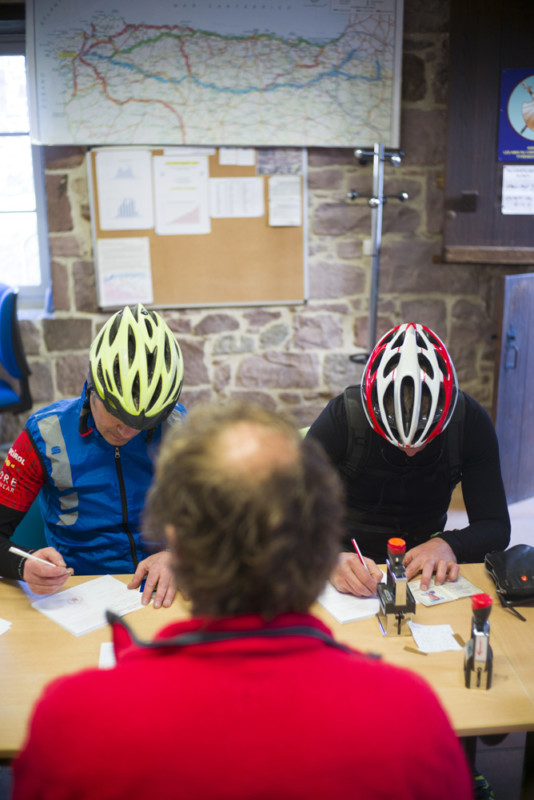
(208, 72)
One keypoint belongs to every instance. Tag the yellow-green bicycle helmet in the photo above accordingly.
(136, 367)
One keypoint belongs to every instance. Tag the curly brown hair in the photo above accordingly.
(253, 513)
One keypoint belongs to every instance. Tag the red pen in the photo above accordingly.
(358, 553)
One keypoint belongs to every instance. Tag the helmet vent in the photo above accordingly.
(432, 339)
(420, 341)
(135, 391)
(114, 329)
(441, 363)
(425, 365)
(399, 341)
(407, 400)
(131, 346)
(155, 395)
(117, 374)
(374, 366)
(150, 362)
(100, 374)
(167, 354)
(392, 364)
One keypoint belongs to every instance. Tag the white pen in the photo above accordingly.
(25, 554)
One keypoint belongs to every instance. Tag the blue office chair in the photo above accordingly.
(12, 357)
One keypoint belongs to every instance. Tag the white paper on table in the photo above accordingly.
(347, 607)
(107, 658)
(433, 638)
(83, 608)
(4, 626)
(451, 590)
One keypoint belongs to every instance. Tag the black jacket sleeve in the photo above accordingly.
(483, 490)
(11, 565)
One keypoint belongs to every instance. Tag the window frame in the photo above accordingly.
(39, 297)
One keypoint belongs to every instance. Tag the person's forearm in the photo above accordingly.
(484, 496)
(471, 544)
(11, 565)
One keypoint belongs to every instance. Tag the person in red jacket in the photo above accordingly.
(251, 697)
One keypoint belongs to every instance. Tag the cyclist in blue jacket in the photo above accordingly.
(91, 460)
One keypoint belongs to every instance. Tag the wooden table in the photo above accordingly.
(35, 650)
(508, 706)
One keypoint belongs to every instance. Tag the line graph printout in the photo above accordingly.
(198, 72)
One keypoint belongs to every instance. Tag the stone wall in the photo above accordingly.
(296, 358)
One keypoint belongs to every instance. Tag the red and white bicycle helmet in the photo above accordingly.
(409, 386)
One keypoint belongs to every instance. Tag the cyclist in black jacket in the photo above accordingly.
(402, 441)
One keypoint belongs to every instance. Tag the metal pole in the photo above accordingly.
(377, 204)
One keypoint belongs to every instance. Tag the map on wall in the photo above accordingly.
(215, 72)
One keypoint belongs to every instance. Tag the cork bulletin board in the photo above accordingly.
(240, 261)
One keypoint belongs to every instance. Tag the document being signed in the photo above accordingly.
(83, 608)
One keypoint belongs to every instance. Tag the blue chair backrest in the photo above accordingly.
(12, 355)
(30, 532)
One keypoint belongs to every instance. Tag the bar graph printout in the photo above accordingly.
(298, 73)
(125, 197)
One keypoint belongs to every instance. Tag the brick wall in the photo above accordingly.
(296, 358)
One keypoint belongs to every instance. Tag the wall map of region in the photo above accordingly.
(206, 72)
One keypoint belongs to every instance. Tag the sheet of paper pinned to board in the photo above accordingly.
(124, 272)
(238, 156)
(236, 197)
(285, 200)
(125, 189)
(181, 195)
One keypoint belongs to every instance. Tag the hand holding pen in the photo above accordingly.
(354, 575)
(359, 554)
(45, 570)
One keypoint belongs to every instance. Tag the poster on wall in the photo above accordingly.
(300, 73)
(516, 115)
